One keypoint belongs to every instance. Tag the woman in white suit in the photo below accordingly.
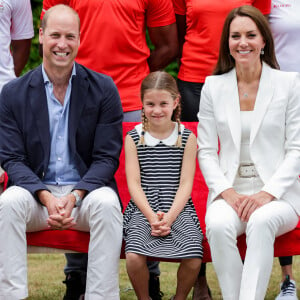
(253, 111)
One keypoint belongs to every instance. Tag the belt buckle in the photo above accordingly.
(251, 174)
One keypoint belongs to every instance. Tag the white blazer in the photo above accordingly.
(274, 137)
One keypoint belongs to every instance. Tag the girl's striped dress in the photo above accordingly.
(160, 168)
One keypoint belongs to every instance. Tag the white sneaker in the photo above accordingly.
(288, 290)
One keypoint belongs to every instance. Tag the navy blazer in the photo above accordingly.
(95, 129)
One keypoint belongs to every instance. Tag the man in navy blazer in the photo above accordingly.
(60, 141)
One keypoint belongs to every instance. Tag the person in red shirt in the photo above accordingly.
(113, 42)
(199, 25)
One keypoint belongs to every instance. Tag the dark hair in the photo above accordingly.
(161, 80)
(59, 7)
(225, 61)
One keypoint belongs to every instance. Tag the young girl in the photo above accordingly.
(160, 158)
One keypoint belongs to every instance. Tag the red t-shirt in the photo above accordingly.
(113, 39)
(204, 21)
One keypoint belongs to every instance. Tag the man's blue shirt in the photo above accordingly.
(61, 169)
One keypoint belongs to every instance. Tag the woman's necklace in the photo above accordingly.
(247, 95)
(243, 94)
(247, 90)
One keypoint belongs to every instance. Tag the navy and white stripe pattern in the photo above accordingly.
(160, 168)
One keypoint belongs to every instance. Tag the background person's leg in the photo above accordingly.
(75, 271)
(190, 99)
(132, 116)
(286, 263)
(288, 288)
(201, 288)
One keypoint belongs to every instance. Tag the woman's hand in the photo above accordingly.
(233, 198)
(253, 202)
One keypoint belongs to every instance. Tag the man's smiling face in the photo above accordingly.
(60, 39)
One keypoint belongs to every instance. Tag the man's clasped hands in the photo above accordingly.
(59, 209)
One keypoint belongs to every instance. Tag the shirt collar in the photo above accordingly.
(47, 80)
(152, 141)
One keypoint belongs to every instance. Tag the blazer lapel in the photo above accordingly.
(231, 101)
(80, 86)
(39, 106)
(263, 99)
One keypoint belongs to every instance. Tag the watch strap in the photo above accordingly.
(78, 199)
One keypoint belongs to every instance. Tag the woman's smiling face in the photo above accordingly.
(245, 41)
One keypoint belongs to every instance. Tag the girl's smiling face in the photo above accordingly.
(159, 106)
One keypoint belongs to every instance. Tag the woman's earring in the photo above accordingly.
(262, 51)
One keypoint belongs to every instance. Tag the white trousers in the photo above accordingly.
(248, 281)
(100, 214)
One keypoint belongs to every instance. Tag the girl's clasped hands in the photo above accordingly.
(161, 226)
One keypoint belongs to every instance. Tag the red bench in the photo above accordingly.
(286, 245)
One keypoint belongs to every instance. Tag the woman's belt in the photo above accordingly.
(247, 171)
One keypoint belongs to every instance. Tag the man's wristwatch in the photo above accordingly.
(77, 198)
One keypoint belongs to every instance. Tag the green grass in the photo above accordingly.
(46, 276)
